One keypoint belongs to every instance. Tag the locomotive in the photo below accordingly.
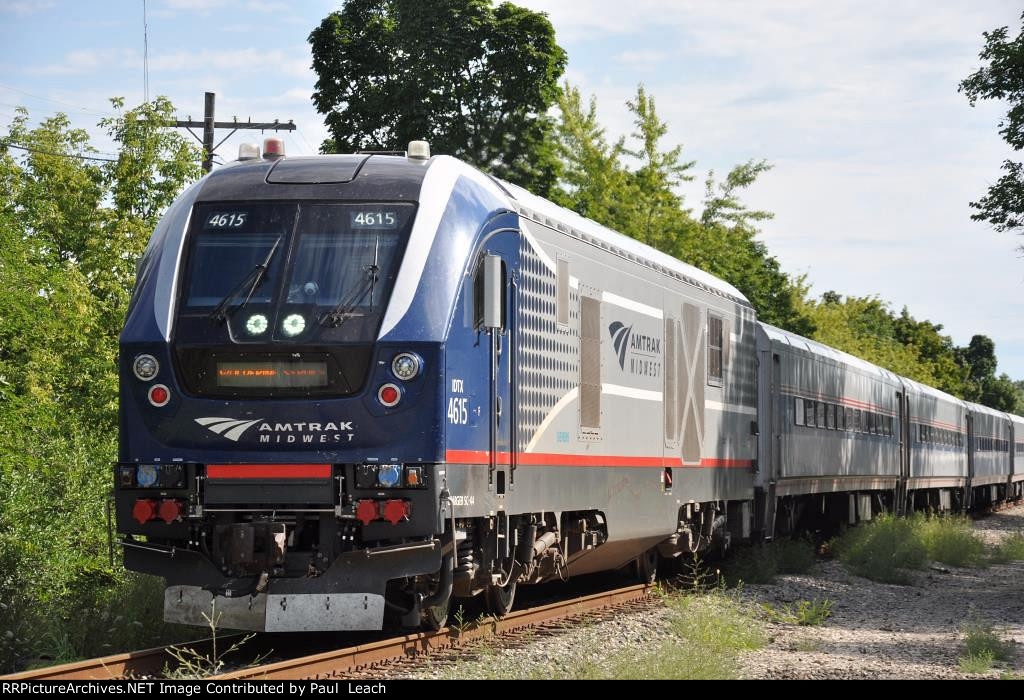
(356, 388)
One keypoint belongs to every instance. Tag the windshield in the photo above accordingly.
(330, 270)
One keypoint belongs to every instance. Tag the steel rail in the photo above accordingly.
(335, 664)
(132, 664)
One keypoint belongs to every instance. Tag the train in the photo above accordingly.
(357, 389)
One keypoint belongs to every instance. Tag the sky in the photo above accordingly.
(875, 154)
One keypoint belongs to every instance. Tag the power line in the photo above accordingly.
(66, 104)
(209, 125)
(312, 150)
(5, 144)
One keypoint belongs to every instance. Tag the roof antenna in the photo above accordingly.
(145, 54)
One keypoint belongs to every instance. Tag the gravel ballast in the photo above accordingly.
(876, 630)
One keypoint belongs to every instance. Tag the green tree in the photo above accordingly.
(474, 80)
(981, 384)
(644, 202)
(1002, 78)
(71, 230)
(594, 182)
(865, 327)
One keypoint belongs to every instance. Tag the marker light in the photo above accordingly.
(389, 395)
(257, 324)
(273, 148)
(418, 150)
(146, 475)
(293, 325)
(414, 476)
(389, 475)
(145, 367)
(159, 395)
(405, 366)
(248, 151)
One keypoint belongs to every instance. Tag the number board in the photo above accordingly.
(226, 220)
(373, 218)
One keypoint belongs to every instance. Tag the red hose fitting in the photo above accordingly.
(144, 510)
(367, 511)
(170, 510)
(395, 511)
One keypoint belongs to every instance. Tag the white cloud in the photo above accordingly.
(876, 154)
(236, 61)
(23, 8)
(90, 61)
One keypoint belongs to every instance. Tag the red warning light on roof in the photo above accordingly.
(273, 148)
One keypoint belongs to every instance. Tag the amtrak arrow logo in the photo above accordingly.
(620, 339)
(231, 428)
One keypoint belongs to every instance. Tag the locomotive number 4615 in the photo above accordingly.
(458, 412)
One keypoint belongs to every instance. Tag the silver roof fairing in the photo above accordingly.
(625, 243)
(813, 347)
(926, 390)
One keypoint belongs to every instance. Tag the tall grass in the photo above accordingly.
(982, 647)
(709, 632)
(884, 550)
(950, 540)
(889, 548)
(761, 563)
(1010, 549)
(115, 614)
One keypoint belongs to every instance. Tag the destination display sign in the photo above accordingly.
(275, 374)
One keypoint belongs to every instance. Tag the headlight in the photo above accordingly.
(406, 366)
(293, 325)
(256, 325)
(147, 475)
(145, 367)
(389, 475)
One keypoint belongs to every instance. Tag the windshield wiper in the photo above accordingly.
(253, 280)
(345, 310)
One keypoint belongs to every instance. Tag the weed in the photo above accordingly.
(884, 550)
(807, 646)
(794, 556)
(761, 563)
(806, 613)
(976, 663)
(193, 664)
(981, 639)
(950, 540)
(1010, 549)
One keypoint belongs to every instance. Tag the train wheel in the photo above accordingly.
(500, 599)
(646, 566)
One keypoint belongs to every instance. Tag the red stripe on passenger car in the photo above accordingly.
(568, 460)
(268, 471)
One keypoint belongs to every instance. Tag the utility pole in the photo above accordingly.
(208, 125)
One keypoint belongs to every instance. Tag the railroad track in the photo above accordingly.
(132, 664)
(337, 663)
(342, 662)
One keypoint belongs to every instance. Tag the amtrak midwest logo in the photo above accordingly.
(638, 353)
(275, 433)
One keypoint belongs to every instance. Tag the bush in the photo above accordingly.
(761, 563)
(980, 639)
(883, 550)
(1010, 549)
(950, 540)
(794, 556)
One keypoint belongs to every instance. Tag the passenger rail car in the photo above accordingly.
(355, 388)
